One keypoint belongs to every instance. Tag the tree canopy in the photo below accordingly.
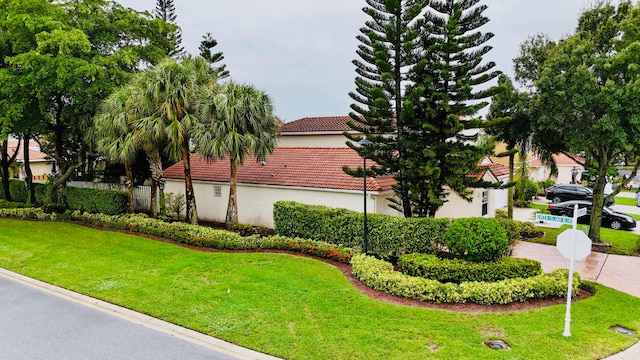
(587, 96)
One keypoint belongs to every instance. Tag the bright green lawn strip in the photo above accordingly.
(625, 201)
(295, 307)
(542, 208)
(623, 242)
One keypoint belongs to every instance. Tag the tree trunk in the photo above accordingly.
(510, 189)
(129, 173)
(190, 199)
(232, 207)
(5, 171)
(155, 165)
(28, 175)
(598, 201)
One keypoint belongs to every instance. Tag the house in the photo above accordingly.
(40, 163)
(312, 174)
(538, 171)
(565, 165)
(325, 131)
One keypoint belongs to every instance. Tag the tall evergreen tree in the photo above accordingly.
(388, 45)
(420, 62)
(206, 51)
(166, 10)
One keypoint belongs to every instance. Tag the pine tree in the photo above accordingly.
(388, 48)
(419, 64)
(206, 51)
(445, 104)
(166, 10)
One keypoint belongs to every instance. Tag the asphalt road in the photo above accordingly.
(35, 324)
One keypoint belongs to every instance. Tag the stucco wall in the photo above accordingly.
(330, 141)
(255, 203)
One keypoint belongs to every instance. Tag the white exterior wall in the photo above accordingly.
(255, 202)
(327, 141)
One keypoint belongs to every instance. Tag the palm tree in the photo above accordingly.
(113, 135)
(167, 92)
(236, 121)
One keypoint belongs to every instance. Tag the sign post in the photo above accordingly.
(573, 245)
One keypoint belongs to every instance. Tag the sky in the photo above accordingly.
(300, 51)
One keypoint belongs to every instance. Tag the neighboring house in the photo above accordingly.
(41, 165)
(565, 165)
(325, 131)
(538, 171)
(310, 176)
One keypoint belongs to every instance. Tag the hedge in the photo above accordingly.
(388, 236)
(192, 234)
(96, 201)
(380, 275)
(458, 271)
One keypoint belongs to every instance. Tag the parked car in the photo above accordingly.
(565, 192)
(612, 219)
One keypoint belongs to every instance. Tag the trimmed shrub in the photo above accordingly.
(96, 201)
(458, 271)
(388, 236)
(18, 191)
(44, 193)
(4, 204)
(380, 275)
(476, 239)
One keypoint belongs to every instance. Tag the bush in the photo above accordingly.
(4, 204)
(544, 185)
(476, 239)
(388, 236)
(44, 193)
(18, 191)
(96, 201)
(380, 275)
(457, 271)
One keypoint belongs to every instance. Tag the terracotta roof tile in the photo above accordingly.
(297, 167)
(317, 124)
(497, 170)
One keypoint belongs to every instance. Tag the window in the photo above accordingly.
(217, 191)
(485, 202)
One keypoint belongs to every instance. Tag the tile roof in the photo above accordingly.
(496, 169)
(317, 124)
(294, 166)
(561, 160)
(34, 151)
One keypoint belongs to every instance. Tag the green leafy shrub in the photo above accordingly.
(458, 271)
(4, 204)
(96, 201)
(544, 185)
(380, 275)
(18, 191)
(44, 193)
(248, 230)
(388, 236)
(476, 239)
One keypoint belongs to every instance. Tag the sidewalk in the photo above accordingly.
(615, 271)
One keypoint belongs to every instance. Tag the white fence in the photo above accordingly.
(141, 193)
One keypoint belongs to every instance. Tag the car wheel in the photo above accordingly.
(616, 225)
(556, 199)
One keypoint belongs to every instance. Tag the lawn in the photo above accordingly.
(625, 201)
(295, 307)
(623, 242)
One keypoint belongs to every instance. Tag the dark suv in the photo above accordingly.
(565, 192)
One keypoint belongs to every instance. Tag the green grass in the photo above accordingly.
(625, 201)
(542, 208)
(295, 307)
(623, 242)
